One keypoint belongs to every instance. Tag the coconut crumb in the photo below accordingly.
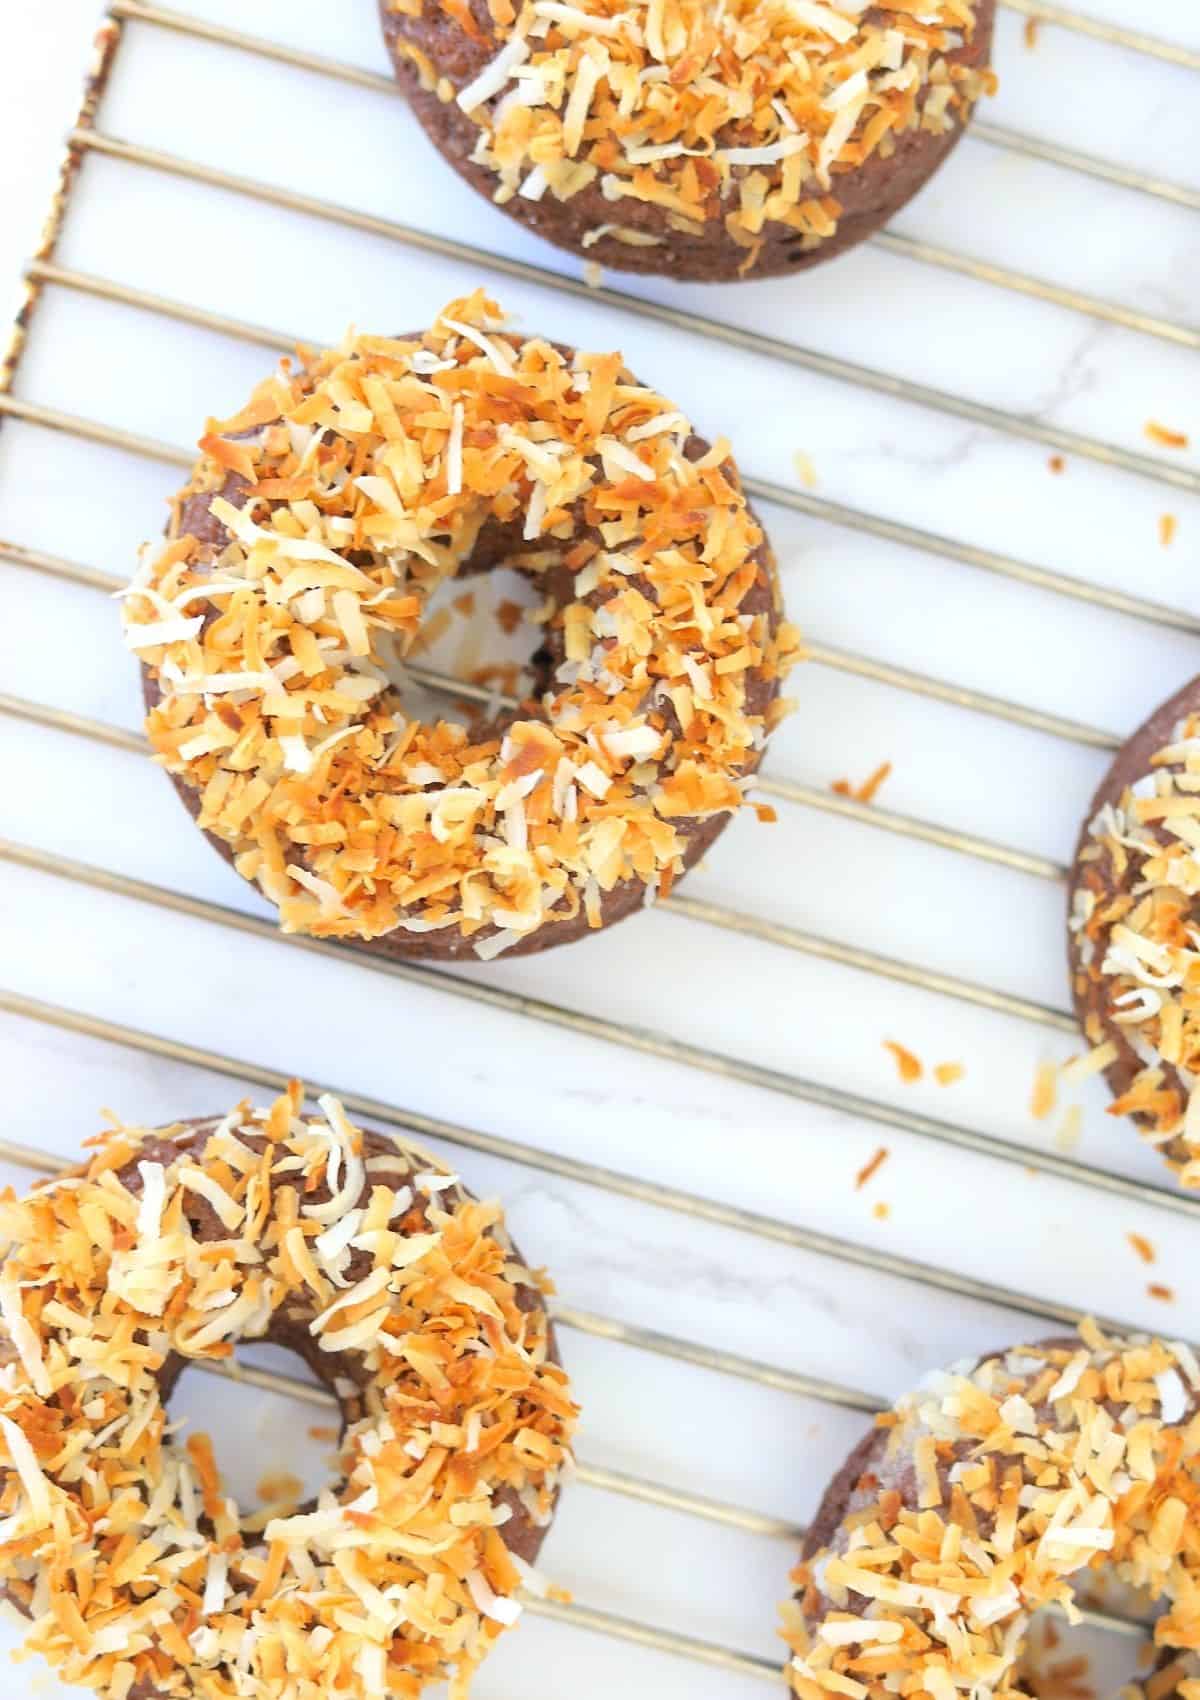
(881, 1211)
(806, 472)
(866, 792)
(1157, 1290)
(1142, 1246)
(1165, 437)
(1057, 464)
(1031, 32)
(1168, 525)
(280, 1486)
(908, 1066)
(509, 616)
(1069, 1131)
(948, 1073)
(871, 1167)
(1065, 1679)
(1044, 1096)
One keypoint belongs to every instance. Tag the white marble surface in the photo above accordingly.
(424, 1051)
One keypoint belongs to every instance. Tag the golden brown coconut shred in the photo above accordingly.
(742, 111)
(1000, 1487)
(117, 1541)
(372, 469)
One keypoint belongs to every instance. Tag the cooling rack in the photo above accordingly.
(678, 1110)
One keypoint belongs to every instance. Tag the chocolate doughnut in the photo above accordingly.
(1133, 949)
(992, 1491)
(405, 1297)
(694, 141)
(298, 553)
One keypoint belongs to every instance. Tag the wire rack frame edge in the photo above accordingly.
(43, 273)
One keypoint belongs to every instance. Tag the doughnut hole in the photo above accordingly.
(479, 629)
(273, 1451)
(1082, 1662)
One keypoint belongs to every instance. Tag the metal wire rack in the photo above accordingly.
(46, 274)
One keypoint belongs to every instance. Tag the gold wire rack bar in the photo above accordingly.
(660, 1494)
(660, 1640)
(909, 826)
(716, 915)
(784, 790)
(834, 513)
(838, 661)
(907, 247)
(798, 501)
(669, 1498)
(593, 1475)
(359, 76)
(1116, 35)
(1088, 165)
(620, 1482)
(961, 696)
(643, 1040)
(660, 1195)
(822, 655)
(647, 1635)
(1021, 283)
(1018, 425)
(613, 1329)
(663, 1494)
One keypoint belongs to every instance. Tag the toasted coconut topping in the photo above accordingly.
(118, 1543)
(997, 1488)
(1136, 929)
(744, 113)
(372, 472)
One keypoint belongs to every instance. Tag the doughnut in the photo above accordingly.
(694, 140)
(298, 560)
(139, 1578)
(1002, 1485)
(1133, 947)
